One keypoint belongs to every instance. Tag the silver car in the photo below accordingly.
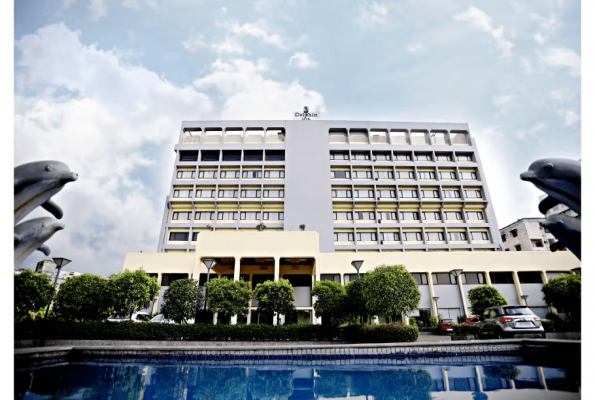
(507, 321)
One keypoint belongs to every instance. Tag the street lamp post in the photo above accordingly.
(457, 273)
(60, 262)
(357, 265)
(209, 262)
(525, 299)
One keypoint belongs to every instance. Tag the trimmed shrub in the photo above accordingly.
(412, 321)
(561, 325)
(433, 323)
(395, 332)
(460, 330)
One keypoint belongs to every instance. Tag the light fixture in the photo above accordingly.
(60, 262)
(209, 262)
(525, 298)
(357, 265)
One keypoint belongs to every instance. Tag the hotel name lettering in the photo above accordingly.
(305, 115)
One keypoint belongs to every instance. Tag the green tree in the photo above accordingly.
(228, 297)
(131, 292)
(330, 302)
(564, 293)
(482, 297)
(275, 297)
(356, 304)
(181, 300)
(84, 298)
(390, 290)
(32, 292)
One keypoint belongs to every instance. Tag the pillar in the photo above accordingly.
(463, 297)
(432, 302)
(236, 277)
(487, 276)
(542, 381)
(517, 286)
(277, 268)
(156, 302)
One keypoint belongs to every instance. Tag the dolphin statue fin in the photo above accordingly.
(547, 203)
(557, 245)
(53, 208)
(44, 249)
(17, 238)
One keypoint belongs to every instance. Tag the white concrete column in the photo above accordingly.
(277, 268)
(275, 318)
(432, 302)
(445, 379)
(487, 276)
(517, 285)
(215, 318)
(463, 297)
(236, 277)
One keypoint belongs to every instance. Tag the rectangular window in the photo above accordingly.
(384, 174)
(342, 216)
(252, 155)
(408, 193)
(336, 155)
(514, 233)
(443, 279)
(343, 237)
(274, 193)
(435, 236)
(433, 194)
(207, 174)
(366, 237)
(210, 156)
(536, 243)
(363, 193)
(273, 216)
(250, 193)
(364, 215)
(479, 236)
(194, 236)
(501, 277)
(228, 193)
(178, 236)
(232, 156)
(390, 236)
(443, 157)
(473, 278)
(252, 174)
(204, 216)
(387, 193)
(421, 279)
(182, 193)
(274, 174)
(387, 215)
(360, 156)
(189, 155)
(205, 193)
(405, 175)
(409, 216)
(381, 156)
(168, 279)
(453, 216)
(341, 193)
(403, 156)
(530, 277)
(517, 247)
(185, 174)
(474, 215)
(362, 174)
(227, 216)
(448, 175)
(431, 216)
(230, 174)
(339, 174)
(352, 277)
(503, 237)
(452, 194)
(423, 156)
(250, 216)
(274, 155)
(464, 157)
(475, 194)
(457, 236)
(427, 175)
(330, 277)
(469, 175)
(412, 236)
(183, 216)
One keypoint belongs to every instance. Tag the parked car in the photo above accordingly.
(160, 319)
(140, 316)
(507, 321)
(445, 325)
(471, 321)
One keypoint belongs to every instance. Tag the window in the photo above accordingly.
(205, 193)
(366, 237)
(250, 193)
(184, 216)
(464, 157)
(210, 156)
(387, 193)
(250, 216)
(423, 156)
(230, 174)
(452, 194)
(182, 192)
(501, 277)
(409, 215)
(409, 193)
(457, 236)
(252, 155)
(204, 215)
(517, 247)
(405, 175)
(330, 277)
(427, 175)
(274, 155)
(228, 193)
(530, 277)
(362, 174)
(453, 216)
(421, 279)
(390, 236)
(360, 156)
(384, 174)
(339, 174)
(341, 193)
(469, 175)
(352, 277)
(473, 278)
(339, 155)
(343, 237)
(476, 194)
(479, 236)
(274, 174)
(277, 193)
(403, 156)
(387, 215)
(448, 175)
(474, 215)
(435, 236)
(185, 174)
(178, 236)
(168, 279)
(343, 216)
(364, 215)
(430, 194)
(189, 155)
(443, 279)
(207, 174)
(503, 237)
(232, 156)
(363, 193)
(536, 243)
(272, 216)
(514, 233)
(227, 216)
(252, 174)
(431, 216)
(412, 236)
(381, 156)
(443, 157)
(194, 236)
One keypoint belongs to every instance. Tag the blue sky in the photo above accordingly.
(103, 85)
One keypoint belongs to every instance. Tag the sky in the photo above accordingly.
(103, 86)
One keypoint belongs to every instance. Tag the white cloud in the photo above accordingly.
(484, 22)
(229, 45)
(250, 96)
(99, 7)
(223, 9)
(415, 47)
(562, 57)
(527, 66)
(302, 60)
(531, 132)
(503, 102)
(194, 43)
(372, 14)
(539, 38)
(256, 30)
(571, 117)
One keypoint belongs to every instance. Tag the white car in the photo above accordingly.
(136, 317)
(160, 319)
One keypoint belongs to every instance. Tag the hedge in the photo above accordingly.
(52, 329)
(561, 325)
(463, 330)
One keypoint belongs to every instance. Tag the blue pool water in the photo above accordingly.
(132, 381)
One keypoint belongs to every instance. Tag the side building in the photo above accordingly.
(526, 235)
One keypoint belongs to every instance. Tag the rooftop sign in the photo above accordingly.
(306, 115)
